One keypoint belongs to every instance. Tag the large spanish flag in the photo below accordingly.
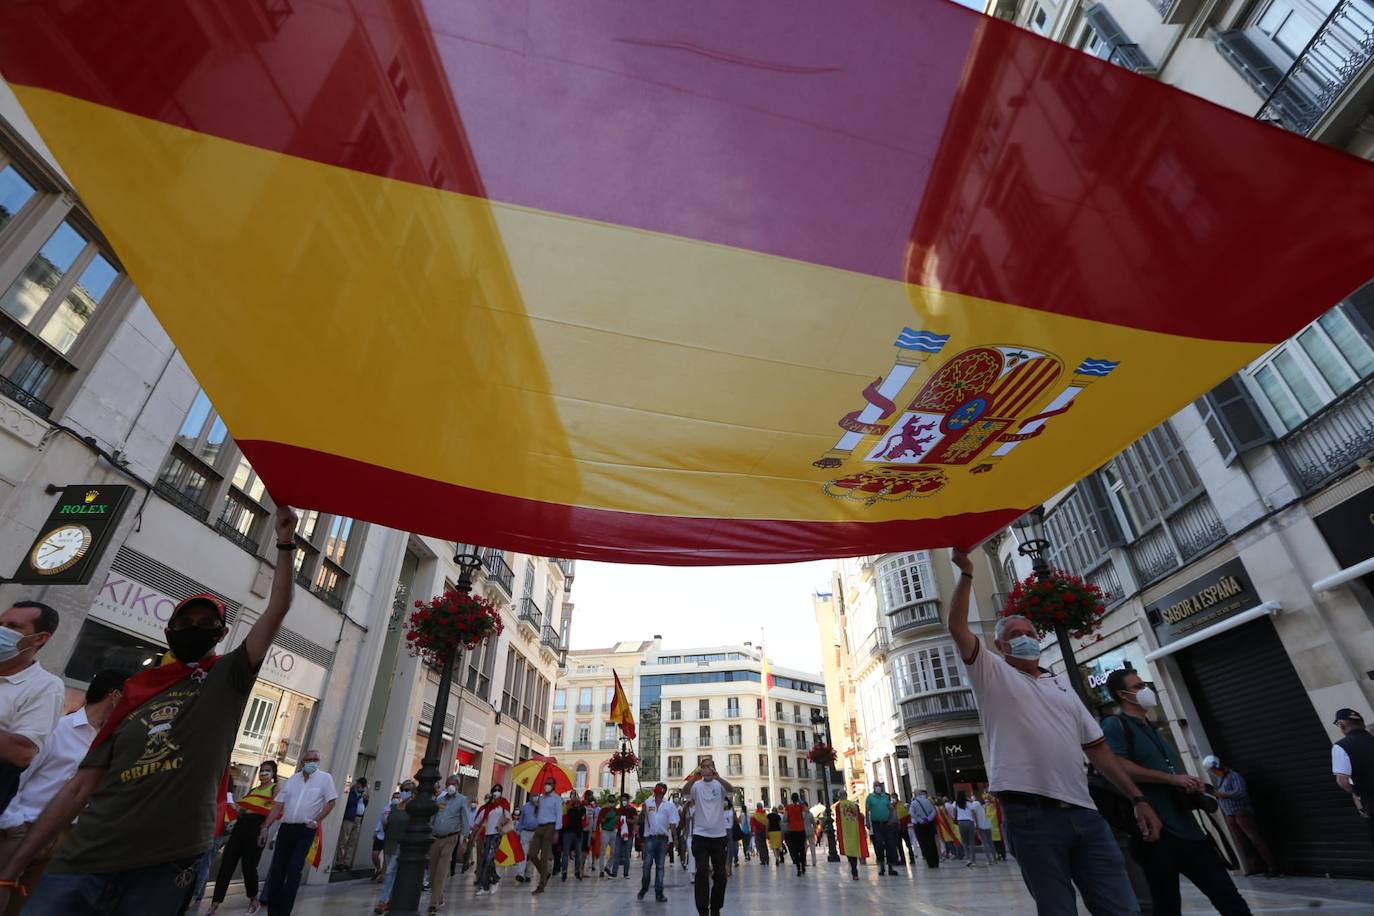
(700, 282)
(622, 714)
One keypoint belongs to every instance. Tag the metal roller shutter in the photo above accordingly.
(1261, 721)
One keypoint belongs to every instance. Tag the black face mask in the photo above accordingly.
(191, 644)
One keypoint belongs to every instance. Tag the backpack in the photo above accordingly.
(1114, 806)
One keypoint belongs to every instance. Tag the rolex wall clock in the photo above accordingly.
(72, 540)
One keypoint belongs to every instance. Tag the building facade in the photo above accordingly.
(1234, 536)
(908, 712)
(691, 703)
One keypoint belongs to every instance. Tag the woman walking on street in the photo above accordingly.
(948, 831)
(758, 825)
(243, 839)
(993, 807)
(489, 824)
(775, 835)
(811, 834)
(968, 826)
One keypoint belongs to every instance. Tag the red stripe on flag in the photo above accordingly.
(948, 142)
(304, 477)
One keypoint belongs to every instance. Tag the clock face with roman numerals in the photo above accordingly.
(60, 549)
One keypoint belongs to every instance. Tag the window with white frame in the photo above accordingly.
(560, 699)
(581, 777)
(1149, 479)
(556, 734)
(936, 668)
(1308, 371)
(905, 579)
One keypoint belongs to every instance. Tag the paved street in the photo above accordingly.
(825, 890)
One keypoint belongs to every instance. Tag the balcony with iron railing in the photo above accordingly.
(531, 614)
(945, 704)
(876, 645)
(704, 741)
(551, 639)
(1183, 534)
(732, 712)
(1333, 440)
(609, 744)
(674, 742)
(582, 745)
(784, 770)
(674, 715)
(1331, 63)
(584, 709)
(735, 740)
(498, 570)
(782, 742)
(923, 613)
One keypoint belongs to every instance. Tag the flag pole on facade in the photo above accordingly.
(765, 683)
(623, 717)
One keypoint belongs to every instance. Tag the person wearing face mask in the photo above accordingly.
(490, 822)
(396, 821)
(1234, 800)
(354, 806)
(242, 845)
(450, 823)
(923, 825)
(54, 765)
(1352, 762)
(1183, 848)
(1038, 733)
(302, 805)
(548, 814)
(31, 699)
(162, 754)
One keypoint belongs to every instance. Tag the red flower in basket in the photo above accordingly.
(822, 755)
(449, 622)
(623, 762)
(1058, 599)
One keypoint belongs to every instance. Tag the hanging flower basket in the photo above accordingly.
(822, 755)
(1059, 599)
(446, 623)
(623, 762)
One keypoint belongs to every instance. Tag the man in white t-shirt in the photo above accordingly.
(30, 698)
(707, 794)
(303, 802)
(1038, 734)
(658, 823)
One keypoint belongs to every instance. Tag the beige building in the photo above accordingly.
(910, 718)
(1235, 537)
(846, 734)
(690, 703)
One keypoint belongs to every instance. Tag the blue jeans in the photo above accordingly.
(288, 861)
(203, 869)
(486, 865)
(1058, 848)
(572, 843)
(150, 891)
(655, 849)
(621, 854)
(389, 881)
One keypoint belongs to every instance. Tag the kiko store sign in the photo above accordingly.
(1206, 600)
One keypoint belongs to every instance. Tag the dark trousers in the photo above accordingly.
(761, 844)
(150, 891)
(1254, 849)
(572, 847)
(710, 853)
(930, 850)
(242, 847)
(854, 865)
(1165, 860)
(288, 860)
(885, 845)
(796, 847)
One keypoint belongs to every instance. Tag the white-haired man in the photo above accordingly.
(1038, 734)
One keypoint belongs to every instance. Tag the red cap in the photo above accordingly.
(203, 598)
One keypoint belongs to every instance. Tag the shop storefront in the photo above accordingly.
(954, 763)
(1130, 656)
(1256, 713)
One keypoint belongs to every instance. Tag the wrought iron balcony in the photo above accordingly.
(876, 645)
(581, 745)
(704, 742)
(186, 503)
(731, 712)
(1184, 533)
(735, 740)
(1332, 60)
(675, 742)
(498, 570)
(913, 616)
(609, 744)
(1329, 443)
(584, 708)
(782, 742)
(551, 638)
(947, 704)
(675, 715)
(531, 614)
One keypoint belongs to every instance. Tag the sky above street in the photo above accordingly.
(702, 606)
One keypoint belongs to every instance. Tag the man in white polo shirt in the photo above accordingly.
(302, 803)
(1038, 734)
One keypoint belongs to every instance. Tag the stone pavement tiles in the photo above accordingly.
(951, 890)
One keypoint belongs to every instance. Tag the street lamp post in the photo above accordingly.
(410, 867)
(1030, 530)
(821, 723)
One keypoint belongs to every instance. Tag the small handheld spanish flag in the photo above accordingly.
(316, 846)
(621, 713)
(510, 852)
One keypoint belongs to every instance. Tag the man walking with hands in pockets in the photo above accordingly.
(1039, 731)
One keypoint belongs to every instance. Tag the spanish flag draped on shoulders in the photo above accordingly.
(850, 830)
